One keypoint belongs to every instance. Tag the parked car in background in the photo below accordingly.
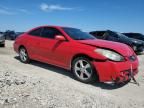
(87, 57)
(135, 35)
(18, 34)
(2, 39)
(135, 44)
(10, 35)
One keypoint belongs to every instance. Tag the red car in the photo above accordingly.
(87, 57)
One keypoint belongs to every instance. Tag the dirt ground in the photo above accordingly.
(39, 85)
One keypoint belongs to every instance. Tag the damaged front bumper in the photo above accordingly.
(116, 71)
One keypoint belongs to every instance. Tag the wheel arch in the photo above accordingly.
(21, 46)
(81, 55)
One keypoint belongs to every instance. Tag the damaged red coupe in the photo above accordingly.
(87, 57)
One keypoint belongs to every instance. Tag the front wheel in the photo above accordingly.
(83, 70)
(23, 55)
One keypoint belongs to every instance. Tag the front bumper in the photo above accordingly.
(116, 71)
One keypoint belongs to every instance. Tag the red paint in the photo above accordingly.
(60, 53)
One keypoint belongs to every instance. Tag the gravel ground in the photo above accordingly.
(39, 85)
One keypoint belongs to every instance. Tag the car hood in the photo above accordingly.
(118, 47)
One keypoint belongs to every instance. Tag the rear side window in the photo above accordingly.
(50, 32)
(36, 32)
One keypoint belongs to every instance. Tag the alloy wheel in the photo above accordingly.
(83, 69)
(23, 55)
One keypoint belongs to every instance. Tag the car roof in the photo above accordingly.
(54, 26)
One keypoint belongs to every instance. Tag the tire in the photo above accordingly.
(83, 70)
(24, 55)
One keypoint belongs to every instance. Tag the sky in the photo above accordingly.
(88, 15)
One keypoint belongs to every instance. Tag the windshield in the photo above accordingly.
(77, 34)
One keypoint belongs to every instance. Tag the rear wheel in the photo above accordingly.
(24, 55)
(83, 70)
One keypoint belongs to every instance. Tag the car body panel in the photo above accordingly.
(118, 47)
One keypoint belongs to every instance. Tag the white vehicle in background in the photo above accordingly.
(2, 40)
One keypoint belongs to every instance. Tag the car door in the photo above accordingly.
(33, 42)
(53, 50)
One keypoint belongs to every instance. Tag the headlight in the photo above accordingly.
(110, 54)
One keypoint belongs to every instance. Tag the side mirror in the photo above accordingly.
(60, 38)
